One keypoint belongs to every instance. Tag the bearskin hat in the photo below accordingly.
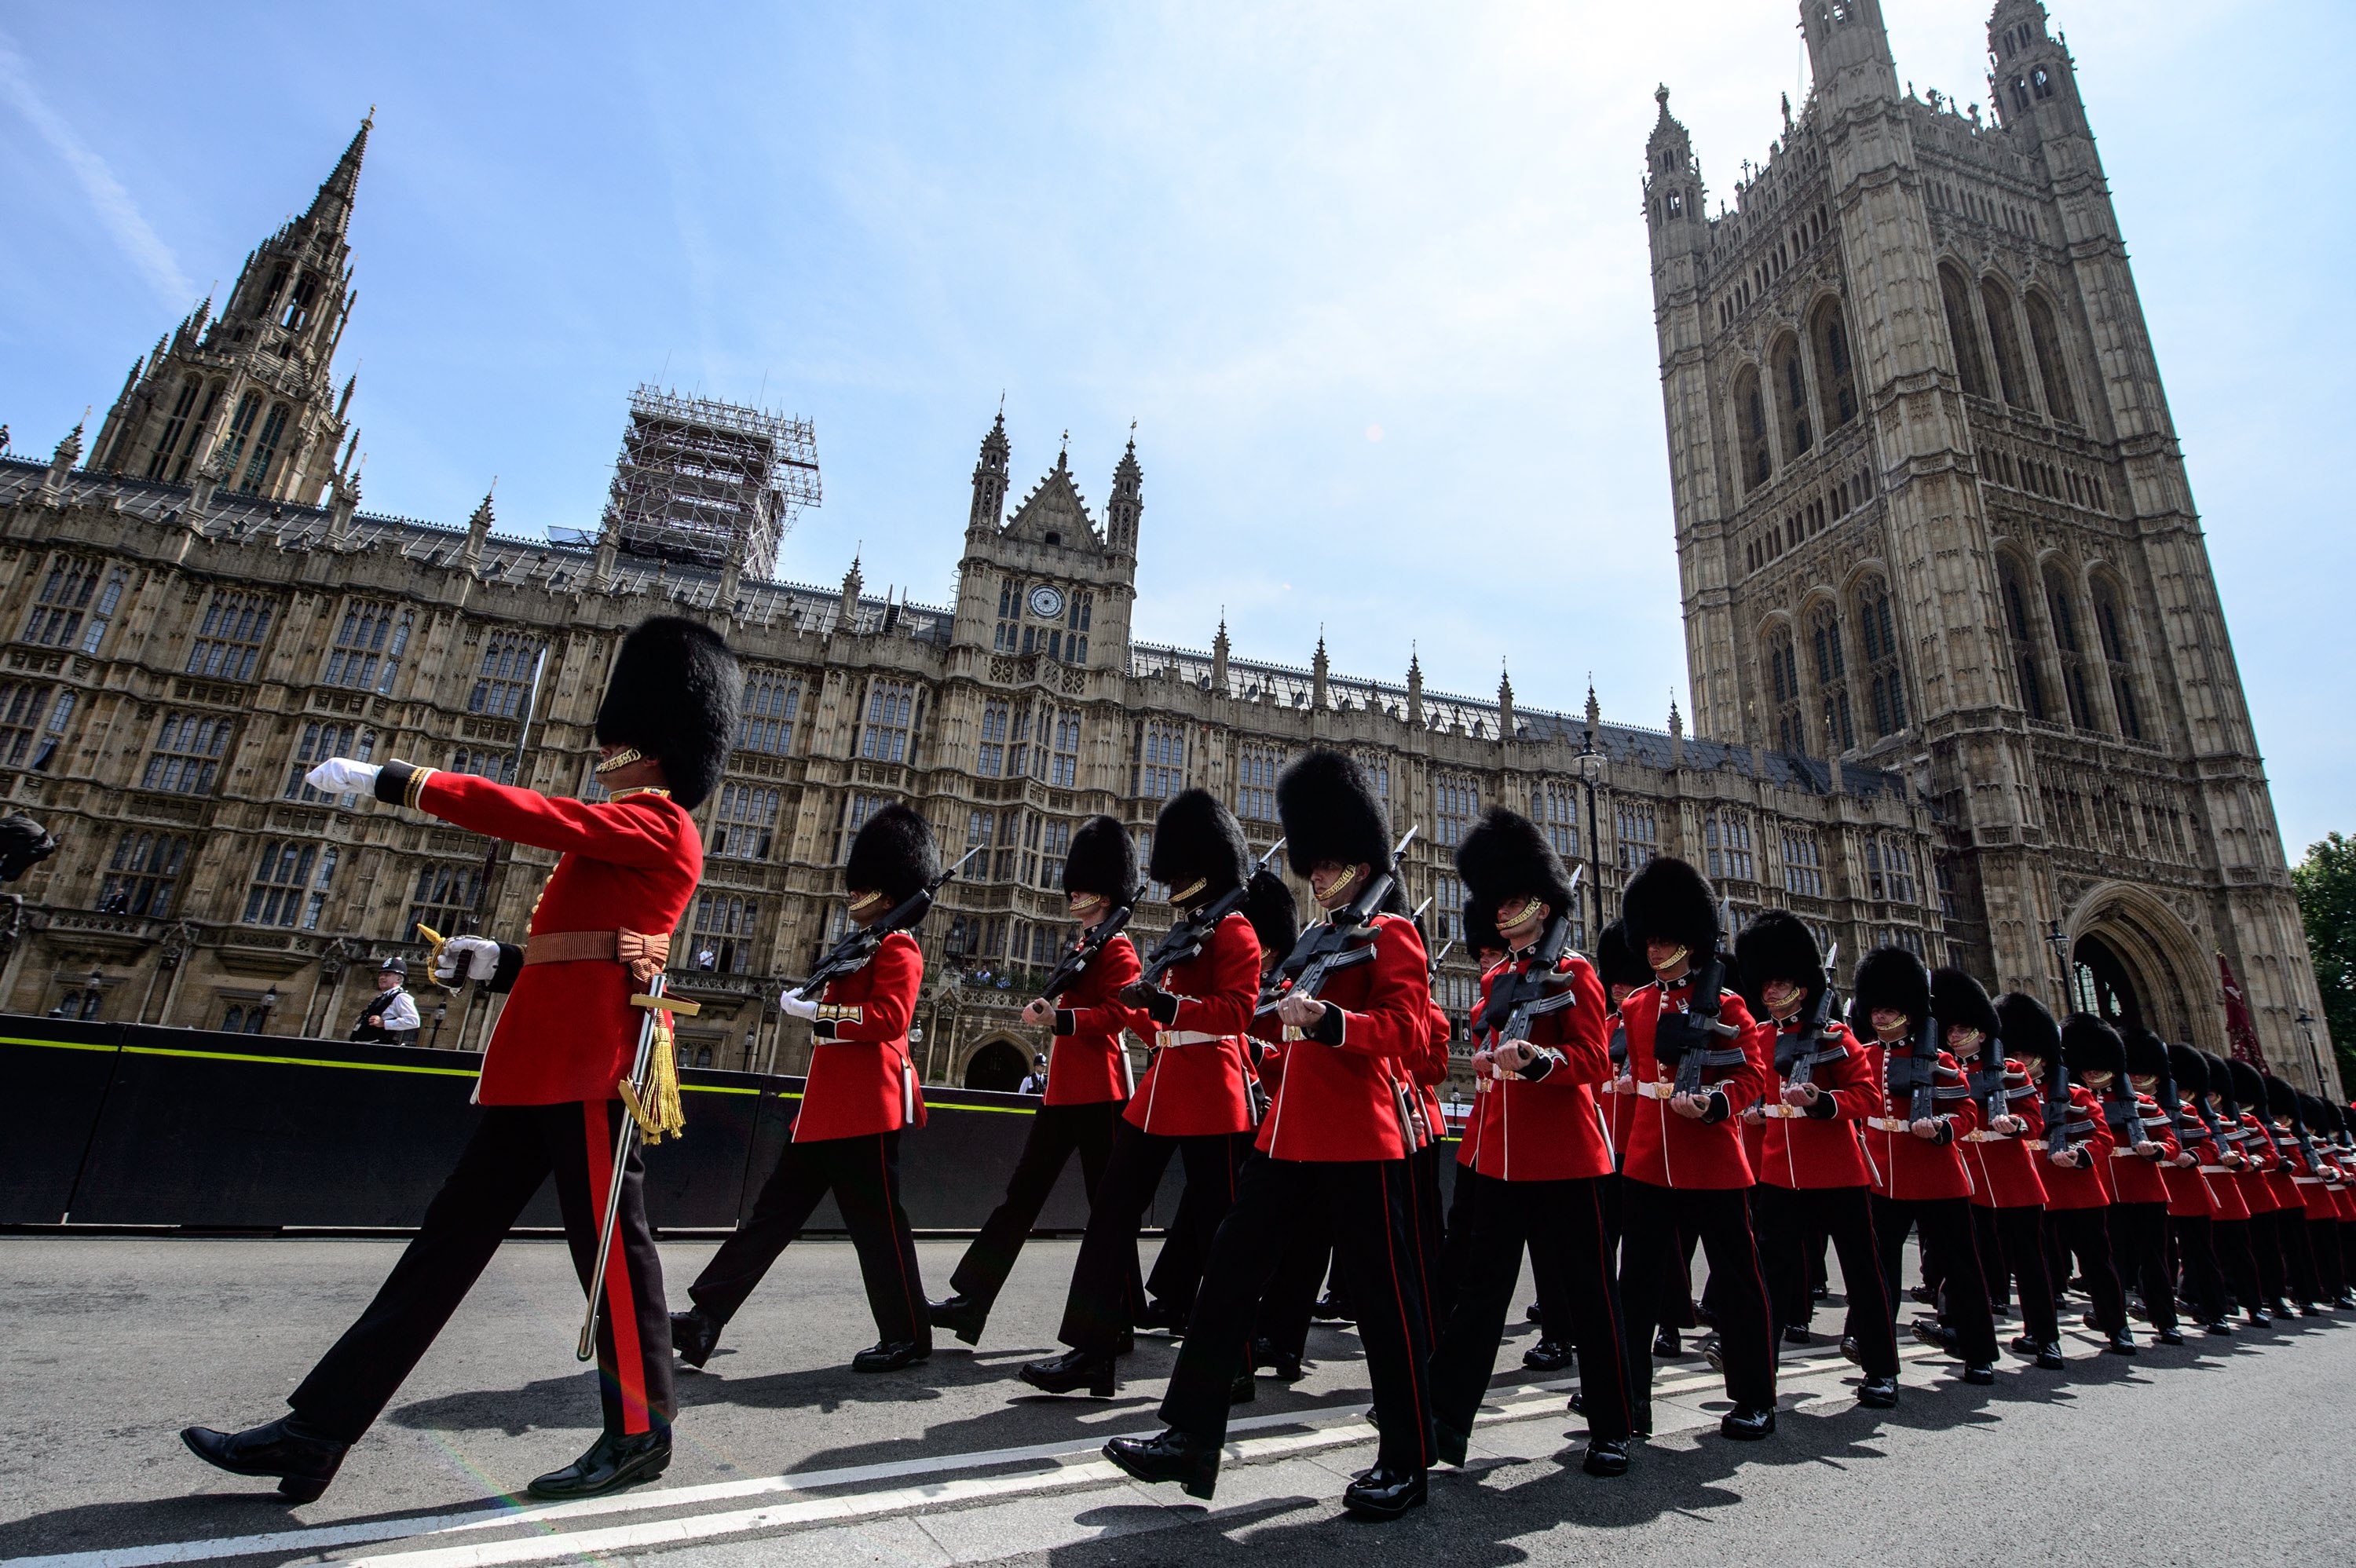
(673, 695)
(1506, 858)
(2313, 1114)
(2326, 1117)
(2146, 1053)
(2248, 1087)
(2189, 1069)
(2282, 1100)
(1267, 904)
(24, 844)
(1617, 962)
(1197, 839)
(1958, 1001)
(1331, 812)
(1480, 928)
(1102, 860)
(1776, 945)
(2028, 1029)
(2090, 1045)
(1894, 978)
(893, 855)
(1669, 901)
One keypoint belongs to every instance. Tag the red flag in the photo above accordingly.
(2240, 1034)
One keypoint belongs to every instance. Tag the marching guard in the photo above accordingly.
(860, 1094)
(1540, 1151)
(2192, 1196)
(2008, 1188)
(2077, 1184)
(1088, 1081)
(2145, 1151)
(556, 1072)
(1813, 1179)
(1337, 1137)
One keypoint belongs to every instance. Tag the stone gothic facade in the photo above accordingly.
(1932, 517)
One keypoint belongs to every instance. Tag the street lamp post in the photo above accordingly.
(2058, 940)
(441, 1011)
(2305, 1021)
(269, 1005)
(1592, 766)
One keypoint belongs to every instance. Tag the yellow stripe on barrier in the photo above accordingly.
(301, 1061)
(56, 1044)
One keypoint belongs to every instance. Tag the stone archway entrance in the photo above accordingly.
(998, 1066)
(2134, 964)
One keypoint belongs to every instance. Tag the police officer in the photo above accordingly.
(390, 1016)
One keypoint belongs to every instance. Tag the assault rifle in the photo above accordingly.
(858, 945)
(1795, 1050)
(1987, 1083)
(1075, 962)
(2057, 1108)
(1185, 939)
(1916, 1074)
(1518, 1000)
(1342, 940)
(1687, 1042)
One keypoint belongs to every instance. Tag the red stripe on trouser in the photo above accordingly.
(1612, 1300)
(1407, 1326)
(621, 1301)
(917, 1318)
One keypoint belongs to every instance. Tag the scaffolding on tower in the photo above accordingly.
(704, 482)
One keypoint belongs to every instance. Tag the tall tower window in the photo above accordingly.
(746, 822)
(1751, 409)
(2061, 609)
(1791, 393)
(187, 758)
(284, 889)
(1879, 628)
(723, 932)
(766, 717)
(2110, 625)
(2052, 372)
(989, 758)
(1556, 808)
(1639, 832)
(265, 449)
(2017, 632)
(230, 637)
(1832, 678)
(241, 426)
(1455, 802)
(1804, 863)
(1835, 378)
(143, 875)
(503, 685)
(1256, 770)
(56, 615)
(2002, 334)
(1963, 332)
(1063, 770)
(1784, 682)
(367, 649)
(1157, 762)
(169, 442)
(298, 302)
(891, 711)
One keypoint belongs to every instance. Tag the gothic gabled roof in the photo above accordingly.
(1054, 505)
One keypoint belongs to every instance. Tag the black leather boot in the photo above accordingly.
(1606, 1457)
(2168, 1336)
(1385, 1493)
(1070, 1372)
(1548, 1355)
(1748, 1423)
(1329, 1309)
(1244, 1390)
(1979, 1374)
(2218, 1327)
(961, 1314)
(1932, 1332)
(2120, 1344)
(616, 1460)
(1163, 1316)
(303, 1462)
(1532, 1313)
(1172, 1456)
(1449, 1444)
(1281, 1365)
(1666, 1346)
(694, 1334)
(891, 1355)
(1877, 1394)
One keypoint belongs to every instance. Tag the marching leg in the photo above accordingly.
(1375, 1249)
(1848, 1216)
(1648, 1247)
(980, 1275)
(788, 1199)
(865, 1173)
(2196, 1254)
(1946, 1225)
(1721, 1218)
(2021, 1232)
(1564, 1224)
(1466, 1354)
(1096, 1317)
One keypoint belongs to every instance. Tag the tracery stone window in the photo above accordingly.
(1963, 332)
(1836, 379)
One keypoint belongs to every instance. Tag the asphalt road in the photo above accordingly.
(2224, 1451)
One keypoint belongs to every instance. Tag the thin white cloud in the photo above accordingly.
(141, 246)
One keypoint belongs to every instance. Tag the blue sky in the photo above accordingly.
(1370, 278)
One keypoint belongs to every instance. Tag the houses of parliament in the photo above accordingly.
(1959, 674)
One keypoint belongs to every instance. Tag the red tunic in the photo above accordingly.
(1427, 1071)
(1195, 1084)
(2085, 1186)
(2257, 1147)
(2134, 1178)
(1916, 1168)
(1802, 1151)
(1088, 1063)
(2191, 1188)
(1664, 1148)
(1341, 1102)
(568, 1031)
(2287, 1169)
(1546, 1129)
(2007, 1169)
(1619, 1109)
(861, 1080)
(2222, 1181)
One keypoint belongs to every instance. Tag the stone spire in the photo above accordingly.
(1676, 734)
(847, 613)
(1317, 672)
(1414, 688)
(1219, 648)
(61, 461)
(343, 501)
(1594, 709)
(1505, 728)
(331, 210)
(989, 478)
(1128, 502)
(479, 530)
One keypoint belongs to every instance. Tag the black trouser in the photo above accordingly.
(1720, 1217)
(1366, 1203)
(2139, 1235)
(513, 1150)
(2298, 1255)
(2331, 1262)
(2267, 1251)
(1285, 1307)
(1790, 1221)
(1097, 1317)
(1561, 1223)
(1058, 1133)
(1432, 1237)
(863, 1174)
(1945, 1228)
(2237, 1261)
(2085, 1233)
(2011, 1242)
(2193, 1239)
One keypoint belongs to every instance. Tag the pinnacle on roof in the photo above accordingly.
(332, 207)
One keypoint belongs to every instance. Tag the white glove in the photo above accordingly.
(342, 775)
(792, 1005)
(477, 956)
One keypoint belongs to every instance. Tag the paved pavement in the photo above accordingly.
(2224, 1451)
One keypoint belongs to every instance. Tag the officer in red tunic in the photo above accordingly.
(2192, 1196)
(566, 1040)
(1336, 1136)
(1813, 1179)
(1686, 1169)
(1540, 1150)
(1195, 1098)
(2289, 1176)
(2006, 1157)
(2229, 1227)
(1088, 1081)
(2147, 1151)
(2077, 1179)
(859, 1093)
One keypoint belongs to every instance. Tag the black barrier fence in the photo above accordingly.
(123, 1125)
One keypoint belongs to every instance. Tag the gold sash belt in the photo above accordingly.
(645, 955)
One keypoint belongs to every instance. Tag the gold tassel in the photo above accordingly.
(662, 1114)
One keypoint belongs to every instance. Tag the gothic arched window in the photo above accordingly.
(1832, 678)
(2052, 371)
(2060, 606)
(1963, 331)
(1750, 411)
(1791, 399)
(2111, 627)
(169, 442)
(1835, 379)
(2025, 670)
(2010, 380)
(1877, 628)
(1783, 683)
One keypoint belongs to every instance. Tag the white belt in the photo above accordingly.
(1783, 1113)
(2216, 1170)
(2119, 1153)
(2309, 1181)
(1889, 1124)
(1169, 1036)
(1656, 1091)
(1982, 1135)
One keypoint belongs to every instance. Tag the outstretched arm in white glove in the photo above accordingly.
(472, 957)
(342, 775)
(792, 1005)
